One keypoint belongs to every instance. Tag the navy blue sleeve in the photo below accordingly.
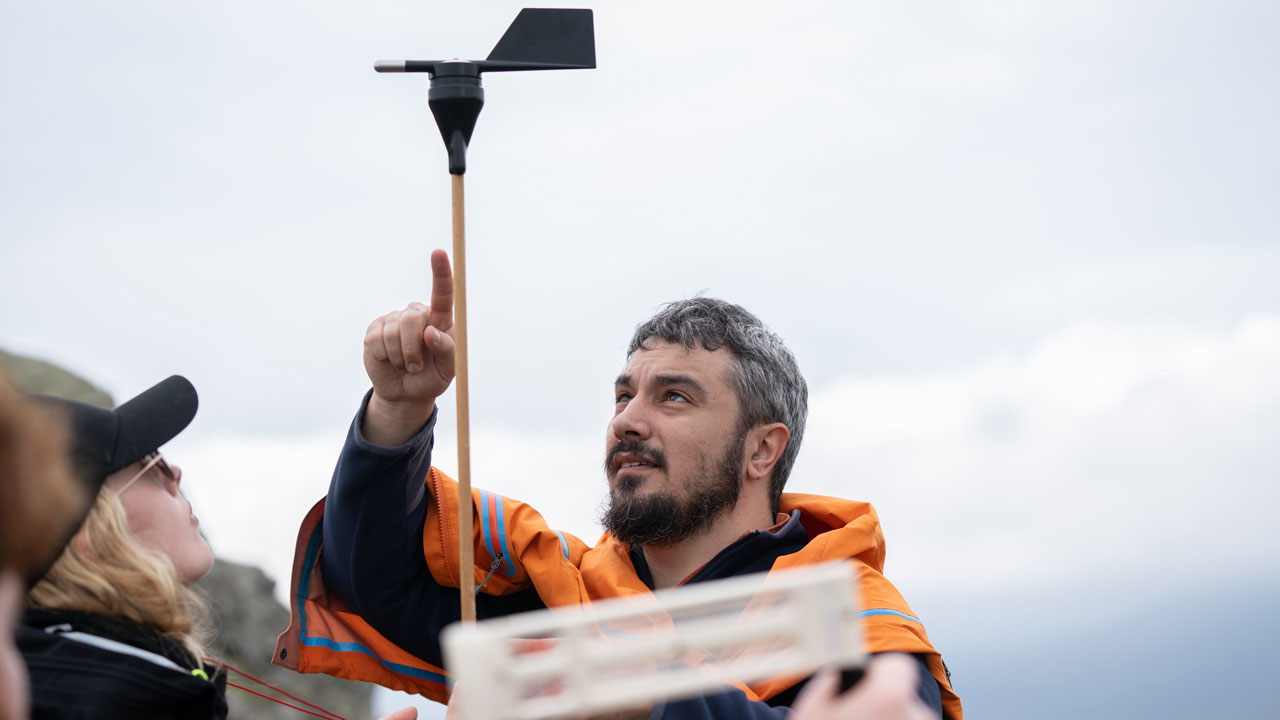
(728, 704)
(372, 556)
(733, 704)
(928, 690)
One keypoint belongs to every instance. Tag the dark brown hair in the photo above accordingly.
(38, 497)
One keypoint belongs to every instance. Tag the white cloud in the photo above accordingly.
(251, 493)
(1108, 453)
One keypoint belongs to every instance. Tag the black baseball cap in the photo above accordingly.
(104, 441)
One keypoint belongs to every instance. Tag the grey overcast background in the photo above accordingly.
(1026, 253)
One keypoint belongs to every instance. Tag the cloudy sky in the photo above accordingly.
(1026, 253)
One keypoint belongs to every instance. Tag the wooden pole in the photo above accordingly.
(466, 545)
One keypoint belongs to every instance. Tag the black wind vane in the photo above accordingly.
(538, 39)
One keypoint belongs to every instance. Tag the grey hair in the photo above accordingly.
(765, 374)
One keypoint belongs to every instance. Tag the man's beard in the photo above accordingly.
(662, 518)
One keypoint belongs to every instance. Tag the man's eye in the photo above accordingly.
(622, 397)
(676, 397)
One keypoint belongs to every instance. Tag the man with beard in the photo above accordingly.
(708, 416)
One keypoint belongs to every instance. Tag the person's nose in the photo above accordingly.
(632, 422)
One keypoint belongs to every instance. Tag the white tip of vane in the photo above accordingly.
(389, 66)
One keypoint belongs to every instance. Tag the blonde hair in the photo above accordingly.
(38, 497)
(105, 571)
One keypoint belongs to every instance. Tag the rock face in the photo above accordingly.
(247, 617)
(38, 377)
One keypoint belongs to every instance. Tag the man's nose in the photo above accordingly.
(631, 422)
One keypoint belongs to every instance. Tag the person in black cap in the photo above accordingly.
(113, 628)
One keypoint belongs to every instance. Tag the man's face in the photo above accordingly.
(673, 449)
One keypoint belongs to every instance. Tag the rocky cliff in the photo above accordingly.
(38, 377)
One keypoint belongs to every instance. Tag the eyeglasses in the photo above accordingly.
(153, 459)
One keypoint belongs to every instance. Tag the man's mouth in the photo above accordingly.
(630, 458)
(626, 465)
(634, 468)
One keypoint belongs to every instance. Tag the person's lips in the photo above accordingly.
(633, 463)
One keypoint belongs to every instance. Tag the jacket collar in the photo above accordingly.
(753, 552)
(110, 628)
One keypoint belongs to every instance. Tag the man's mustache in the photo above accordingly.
(634, 447)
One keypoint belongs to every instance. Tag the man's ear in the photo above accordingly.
(764, 447)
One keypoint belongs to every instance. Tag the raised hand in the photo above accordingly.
(408, 355)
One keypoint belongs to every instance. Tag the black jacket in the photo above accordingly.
(86, 667)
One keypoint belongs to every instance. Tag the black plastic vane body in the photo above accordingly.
(538, 39)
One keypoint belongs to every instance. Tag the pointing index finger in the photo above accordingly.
(441, 291)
